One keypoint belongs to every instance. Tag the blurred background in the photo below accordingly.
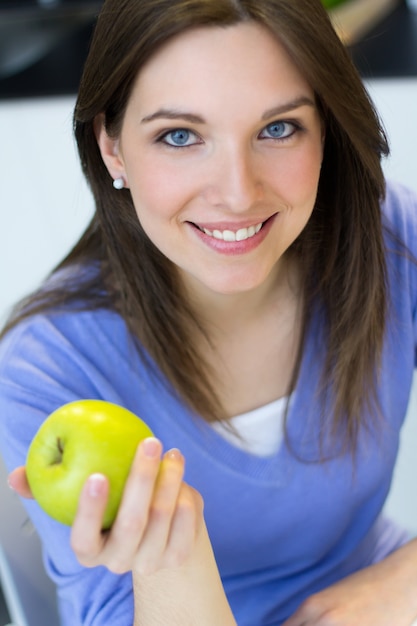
(44, 202)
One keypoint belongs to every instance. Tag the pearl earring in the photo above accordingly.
(118, 183)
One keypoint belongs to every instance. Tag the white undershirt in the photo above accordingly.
(259, 431)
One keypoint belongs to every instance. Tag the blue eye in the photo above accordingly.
(180, 137)
(278, 130)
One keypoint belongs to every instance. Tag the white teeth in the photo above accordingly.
(230, 235)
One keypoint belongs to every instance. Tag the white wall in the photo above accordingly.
(44, 206)
(44, 201)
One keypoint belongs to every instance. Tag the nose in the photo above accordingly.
(235, 182)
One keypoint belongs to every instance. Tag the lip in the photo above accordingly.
(232, 247)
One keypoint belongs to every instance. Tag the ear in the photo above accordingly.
(109, 149)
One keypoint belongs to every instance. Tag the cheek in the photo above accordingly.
(300, 176)
(157, 192)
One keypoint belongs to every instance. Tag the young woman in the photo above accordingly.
(247, 288)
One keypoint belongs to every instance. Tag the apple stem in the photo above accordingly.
(60, 446)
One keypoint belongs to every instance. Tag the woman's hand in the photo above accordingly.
(158, 521)
(159, 534)
(380, 595)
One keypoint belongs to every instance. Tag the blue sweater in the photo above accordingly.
(281, 528)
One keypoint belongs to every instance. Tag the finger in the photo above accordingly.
(152, 550)
(132, 518)
(300, 620)
(295, 620)
(308, 613)
(185, 526)
(87, 539)
(17, 481)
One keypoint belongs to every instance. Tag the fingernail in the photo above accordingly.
(174, 454)
(96, 485)
(151, 447)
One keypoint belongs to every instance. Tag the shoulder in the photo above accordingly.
(49, 360)
(399, 209)
(67, 324)
(400, 230)
(63, 350)
(64, 330)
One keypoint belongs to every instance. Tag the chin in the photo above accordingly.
(236, 285)
(229, 281)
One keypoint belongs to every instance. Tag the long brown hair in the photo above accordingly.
(341, 248)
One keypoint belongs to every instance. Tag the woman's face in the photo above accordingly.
(221, 147)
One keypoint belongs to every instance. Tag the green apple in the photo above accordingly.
(79, 439)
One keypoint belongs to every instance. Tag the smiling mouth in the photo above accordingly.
(230, 235)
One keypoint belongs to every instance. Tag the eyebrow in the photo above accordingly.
(174, 114)
(289, 106)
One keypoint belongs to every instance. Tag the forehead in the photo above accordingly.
(219, 63)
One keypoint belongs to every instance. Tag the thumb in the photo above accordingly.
(18, 482)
